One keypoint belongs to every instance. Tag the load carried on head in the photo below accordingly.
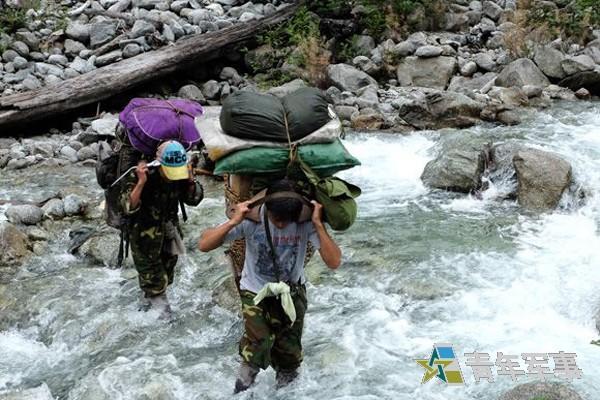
(259, 139)
(144, 124)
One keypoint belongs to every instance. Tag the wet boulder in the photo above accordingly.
(542, 178)
(102, 248)
(522, 72)
(14, 245)
(541, 390)
(74, 205)
(54, 209)
(25, 214)
(502, 170)
(456, 169)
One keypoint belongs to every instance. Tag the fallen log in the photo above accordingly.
(113, 79)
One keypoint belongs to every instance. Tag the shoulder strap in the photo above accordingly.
(271, 246)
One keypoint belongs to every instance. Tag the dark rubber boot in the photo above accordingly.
(246, 377)
(286, 376)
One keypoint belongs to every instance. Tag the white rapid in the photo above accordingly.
(420, 266)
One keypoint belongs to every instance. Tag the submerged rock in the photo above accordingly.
(542, 177)
(541, 390)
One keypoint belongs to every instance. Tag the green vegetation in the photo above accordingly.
(11, 19)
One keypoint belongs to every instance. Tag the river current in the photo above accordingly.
(420, 266)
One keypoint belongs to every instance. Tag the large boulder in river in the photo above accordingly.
(432, 73)
(102, 248)
(346, 77)
(542, 178)
(435, 109)
(14, 244)
(541, 390)
(522, 72)
(456, 169)
(502, 169)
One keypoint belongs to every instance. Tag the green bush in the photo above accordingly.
(573, 22)
(12, 19)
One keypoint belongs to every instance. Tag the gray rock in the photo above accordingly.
(593, 50)
(248, 16)
(21, 163)
(541, 390)
(581, 63)
(120, 6)
(20, 48)
(197, 16)
(74, 205)
(428, 51)
(73, 47)
(367, 97)
(558, 93)
(179, 5)
(54, 209)
(456, 22)
(24, 214)
(426, 72)
(363, 44)
(211, 89)
(520, 73)
(230, 74)
(550, 61)
(102, 249)
(168, 33)
(492, 10)
(509, 117)
(191, 92)
(20, 62)
(349, 78)
(485, 62)
(109, 58)
(435, 109)
(106, 125)
(86, 153)
(37, 235)
(131, 50)
(346, 113)
(405, 48)
(29, 38)
(287, 88)
(78, 31)
(80, 65)
(69, 153)
(58, 59)
(532, 91)
(102, 32)
(458, 170)
(512, 97)
(146, 4)
(366, 65)
(468, 69)
(9, 55)
(502, 169)
(141, 28)
(71, 73)
(14, 246)
(45, 149)
(542, 177)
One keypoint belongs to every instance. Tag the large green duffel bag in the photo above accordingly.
(263, 117)
(324, 158)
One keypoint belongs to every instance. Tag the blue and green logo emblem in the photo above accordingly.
(443, 365)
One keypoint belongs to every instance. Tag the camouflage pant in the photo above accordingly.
(268, 338)
(155, 267)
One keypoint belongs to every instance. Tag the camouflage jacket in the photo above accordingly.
(160, 199)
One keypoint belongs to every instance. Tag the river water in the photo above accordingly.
(420, 267)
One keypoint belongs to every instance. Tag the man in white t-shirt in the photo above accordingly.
(270, 337)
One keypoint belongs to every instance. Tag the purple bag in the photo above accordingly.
(149, 122)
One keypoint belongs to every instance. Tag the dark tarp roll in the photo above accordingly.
(254, 116)
(307, 110)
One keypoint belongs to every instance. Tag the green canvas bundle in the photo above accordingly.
(324, 158)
